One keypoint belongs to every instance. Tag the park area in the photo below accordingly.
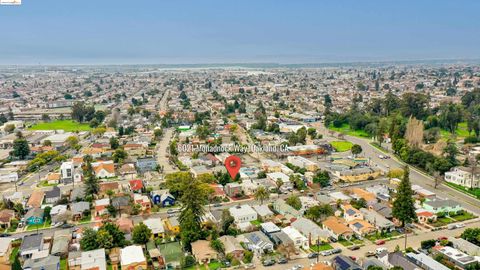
(345, 129)
(341, 146)
(66, 125)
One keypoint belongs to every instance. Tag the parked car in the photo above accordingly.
(268, 262)
(354, 247)
(313, 255)
(282, 260)
(380, 242)
(333, 240)
(369, 253)
(326, 253)
(336, 250)
(353, 258)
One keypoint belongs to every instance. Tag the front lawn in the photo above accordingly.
(464, 216)
(475, 191)
(322, 247)
(341, 146)
(44, 225)
(345, 243)
(345, 129)
(66, 125)
(255, 223)
(379, 236)
(63, 264)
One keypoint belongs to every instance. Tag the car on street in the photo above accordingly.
(326, 253)
(354, 247)
(379, 242)
(369, 253)
(336, 250)
(313, 255)
(268, 262)
(282, 260)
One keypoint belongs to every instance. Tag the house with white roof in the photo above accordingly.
(156, 225)
(132, 257)
(93, 259)
(243, 213)
(298, 239)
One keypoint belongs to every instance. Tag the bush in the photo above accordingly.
(471, 139)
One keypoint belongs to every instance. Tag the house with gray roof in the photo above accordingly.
(78, 208)
(47, 263)
(383, 209)
(310, 230)
(61, 241)
(284, 209)
(465, 246)
(442, 206)
(31, 244)
(258, 242)
(377, 220)
(52, 196)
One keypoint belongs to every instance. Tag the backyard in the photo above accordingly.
(341, 146)
(172, 252)
(66, 125)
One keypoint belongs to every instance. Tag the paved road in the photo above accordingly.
(413, 241)
(416, 177)
(162, 151)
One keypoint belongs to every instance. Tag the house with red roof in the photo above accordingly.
(136, 185)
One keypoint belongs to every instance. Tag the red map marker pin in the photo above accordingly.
(233, 164)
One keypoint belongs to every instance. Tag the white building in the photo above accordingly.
(93, 259)
(303, 163)
(298, 239)
(131, 255)
(463, 176)
(243, 213)
(66, 169)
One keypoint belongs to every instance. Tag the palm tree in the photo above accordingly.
(262, 194)
(279, 184)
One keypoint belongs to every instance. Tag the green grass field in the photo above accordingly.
(341, 146)
(67, 125)
(322, 247)
(461, 131)
(345, 129)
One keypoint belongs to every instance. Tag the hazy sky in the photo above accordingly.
(219, 31)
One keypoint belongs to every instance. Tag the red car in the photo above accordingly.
(442, 238)
(380, 242)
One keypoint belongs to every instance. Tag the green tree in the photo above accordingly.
(89, 240)
(217, 245)
(47, 143)
(20, 148)
(119, 155)
(322, 178)
(319, 212)
(72, 141)
(114, 144)
(404, 206)
(141, 234)
(356, 149)
(294, 201)
(279, 184)
(91, 183)
(262, 194)
(193, 199)
(104, 239)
